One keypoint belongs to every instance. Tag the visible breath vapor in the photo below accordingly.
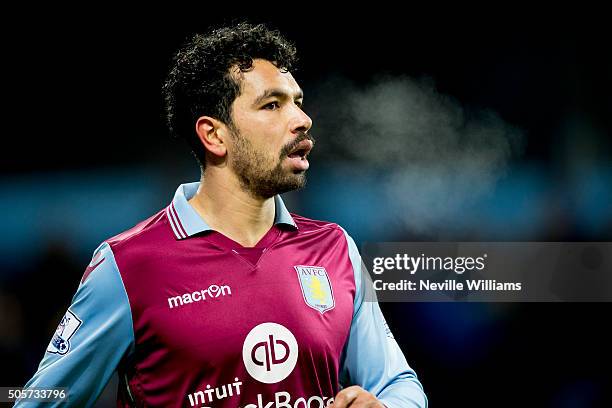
(437, 156)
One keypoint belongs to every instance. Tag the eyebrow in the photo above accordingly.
(275, 92)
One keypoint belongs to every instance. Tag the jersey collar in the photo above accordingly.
(185, 221)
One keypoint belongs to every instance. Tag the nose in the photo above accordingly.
(301, 121)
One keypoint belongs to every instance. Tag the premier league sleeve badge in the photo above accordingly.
(60, 343)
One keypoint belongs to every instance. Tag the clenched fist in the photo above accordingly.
(356, 397)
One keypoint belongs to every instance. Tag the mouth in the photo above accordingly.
(297, 157)
(302, 150)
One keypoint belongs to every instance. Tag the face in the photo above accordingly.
(270, 143)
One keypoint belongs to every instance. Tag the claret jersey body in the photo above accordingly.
(190, 318)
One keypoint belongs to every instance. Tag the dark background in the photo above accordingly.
(85, 155)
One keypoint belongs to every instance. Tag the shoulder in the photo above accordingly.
(309, 226)
(143, 232)
(144, 240)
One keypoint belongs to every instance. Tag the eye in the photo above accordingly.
(272, 106)
(300, 104)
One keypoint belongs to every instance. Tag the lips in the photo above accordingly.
(297, 156)
(302, 149)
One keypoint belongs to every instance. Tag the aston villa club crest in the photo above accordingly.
(316, 287)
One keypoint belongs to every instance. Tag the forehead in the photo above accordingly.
(265, 76)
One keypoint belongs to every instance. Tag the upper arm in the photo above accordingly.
(93, 336)
(372, 358)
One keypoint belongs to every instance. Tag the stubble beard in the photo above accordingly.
(260, 173)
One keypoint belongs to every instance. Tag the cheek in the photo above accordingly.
(265, 149)
(269, 140)
(264, 133)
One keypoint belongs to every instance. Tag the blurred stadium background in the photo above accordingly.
(426, 130)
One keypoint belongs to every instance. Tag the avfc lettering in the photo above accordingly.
(312, 271)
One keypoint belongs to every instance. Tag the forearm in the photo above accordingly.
(405, 392)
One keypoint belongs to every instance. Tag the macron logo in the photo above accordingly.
(213, 291)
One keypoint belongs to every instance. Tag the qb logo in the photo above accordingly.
(269, 352)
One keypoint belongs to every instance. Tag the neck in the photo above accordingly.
(230, 210)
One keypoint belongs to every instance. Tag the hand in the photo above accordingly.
(356, 397)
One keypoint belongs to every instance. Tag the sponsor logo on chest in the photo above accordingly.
(270, 353)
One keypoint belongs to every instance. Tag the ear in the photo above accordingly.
(212, 135)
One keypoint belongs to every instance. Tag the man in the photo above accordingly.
(224, 298)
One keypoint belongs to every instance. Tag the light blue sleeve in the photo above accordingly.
(372, 358)
(93, 336)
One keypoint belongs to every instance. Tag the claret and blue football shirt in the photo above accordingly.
(190, 318)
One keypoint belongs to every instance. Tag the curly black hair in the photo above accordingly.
(199, 81)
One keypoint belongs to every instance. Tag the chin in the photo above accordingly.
(295, 182)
